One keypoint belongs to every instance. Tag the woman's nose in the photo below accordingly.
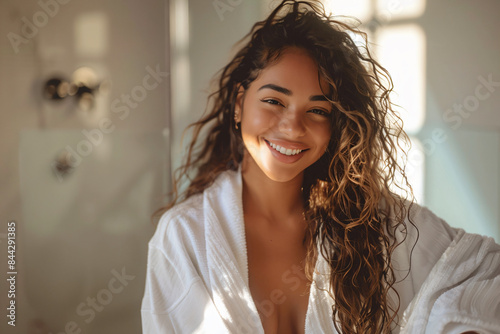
(292, 124)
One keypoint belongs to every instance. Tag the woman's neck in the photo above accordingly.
(270, 199)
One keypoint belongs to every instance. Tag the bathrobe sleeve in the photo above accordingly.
(171, 279)
(175, 305)
(176, 299)
(159, 280)
(461, 292)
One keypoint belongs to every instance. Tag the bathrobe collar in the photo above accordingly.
(228, 263)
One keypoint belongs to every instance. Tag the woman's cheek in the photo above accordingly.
(261, 118)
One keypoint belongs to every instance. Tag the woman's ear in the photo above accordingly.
(238, 107)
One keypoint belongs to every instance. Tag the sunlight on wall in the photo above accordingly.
(400, 9)
(361, 9)
(401, 50)
(180, 57)
(91, 34)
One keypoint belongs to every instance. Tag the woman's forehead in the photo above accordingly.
(294, 68)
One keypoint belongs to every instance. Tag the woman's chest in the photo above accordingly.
(277, 281)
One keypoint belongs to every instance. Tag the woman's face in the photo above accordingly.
(285, 118)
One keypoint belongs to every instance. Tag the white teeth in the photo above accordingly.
(286, 151)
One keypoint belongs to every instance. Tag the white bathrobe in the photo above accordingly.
(197, 274)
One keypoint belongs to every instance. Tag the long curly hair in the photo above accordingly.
(351, 212)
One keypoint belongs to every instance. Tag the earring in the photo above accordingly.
(236, 120)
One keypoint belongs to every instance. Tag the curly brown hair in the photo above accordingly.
(351, 212)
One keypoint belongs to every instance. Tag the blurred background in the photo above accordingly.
(94, 96)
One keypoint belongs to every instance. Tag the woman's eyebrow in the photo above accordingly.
(277, 88)
(289, 92)
(318, 98)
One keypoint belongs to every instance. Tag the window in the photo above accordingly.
(398, 43)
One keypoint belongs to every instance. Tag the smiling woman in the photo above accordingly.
(285, 118)
(290, 171)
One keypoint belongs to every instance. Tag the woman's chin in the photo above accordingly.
(283, 176)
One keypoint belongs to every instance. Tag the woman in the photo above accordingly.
(288, 224)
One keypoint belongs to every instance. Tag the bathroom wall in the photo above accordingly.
(81, 232)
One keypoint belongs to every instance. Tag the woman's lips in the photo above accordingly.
(287, 144)
(286, 152)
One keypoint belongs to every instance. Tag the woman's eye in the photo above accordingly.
(272, 101)
(320, 112)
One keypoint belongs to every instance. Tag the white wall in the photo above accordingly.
(463, 173)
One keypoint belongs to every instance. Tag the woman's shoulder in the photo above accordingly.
(424, 234)
(430, 225)
(418, 220)
(178, 221)
(187, 218)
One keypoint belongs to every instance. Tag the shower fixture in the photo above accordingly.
(82, 86)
